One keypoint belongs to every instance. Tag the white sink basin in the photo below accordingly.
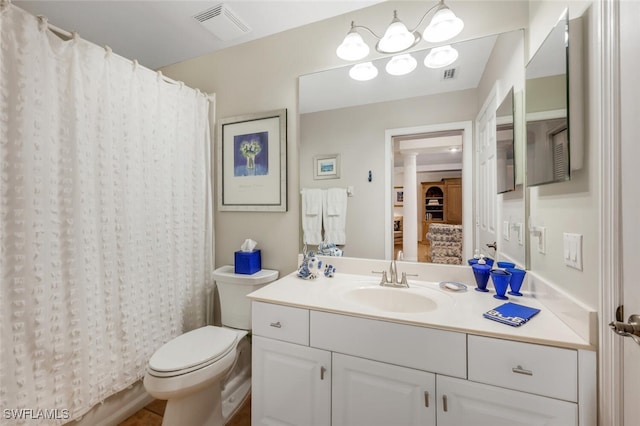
(392, 299)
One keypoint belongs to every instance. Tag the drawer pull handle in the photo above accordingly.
(426, 399)
(445, 406)
(520, 370)
(276, 324)
(322, 370)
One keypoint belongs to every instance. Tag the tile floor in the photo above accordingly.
(151, 415)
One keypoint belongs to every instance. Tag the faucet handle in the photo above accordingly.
(404, 281)
(384, 279)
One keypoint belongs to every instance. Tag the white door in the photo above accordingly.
(291, 384)
(486, 184)
(462, 403)
(630, 153)
(376, 394)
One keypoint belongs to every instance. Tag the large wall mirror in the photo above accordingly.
(339, 115)
(547, 106)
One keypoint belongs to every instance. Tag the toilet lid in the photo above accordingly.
(193, 349)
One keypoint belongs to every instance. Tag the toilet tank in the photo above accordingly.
(235, 307)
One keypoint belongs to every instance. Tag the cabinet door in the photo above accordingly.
(461, 402)
(376, 394)
(291, 384)
(454, 204)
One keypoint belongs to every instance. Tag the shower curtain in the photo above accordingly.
(105, 219)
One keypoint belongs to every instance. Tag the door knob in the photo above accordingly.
(630, 329)
(493, 246)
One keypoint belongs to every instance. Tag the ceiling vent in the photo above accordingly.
(222, 22)
(449, 74)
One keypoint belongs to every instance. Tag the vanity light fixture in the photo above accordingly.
(440, 57)
(398, 38)
(363, 72)
(401, 64)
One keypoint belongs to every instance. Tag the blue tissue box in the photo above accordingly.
(247, 262)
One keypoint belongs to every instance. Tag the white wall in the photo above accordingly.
(262, 75)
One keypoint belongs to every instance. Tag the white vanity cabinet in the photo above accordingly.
(291, 384)
(462, 402)
(371, 393)
(320, 368)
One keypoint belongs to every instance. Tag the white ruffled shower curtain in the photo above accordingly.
(105, 217)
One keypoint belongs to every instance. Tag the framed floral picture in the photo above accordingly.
(326, 166)
(252, 162)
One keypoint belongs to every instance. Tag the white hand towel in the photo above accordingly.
(335, 215)
(312, 216)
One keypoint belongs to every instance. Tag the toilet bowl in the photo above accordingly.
(205, 374)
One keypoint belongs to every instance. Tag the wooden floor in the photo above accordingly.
(424, 251)
(151, 415)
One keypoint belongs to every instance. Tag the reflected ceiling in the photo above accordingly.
(334, 89)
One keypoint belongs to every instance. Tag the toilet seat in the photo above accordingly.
(192, 351)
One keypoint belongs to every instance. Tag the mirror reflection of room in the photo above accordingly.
(438, 177)
(361, 121)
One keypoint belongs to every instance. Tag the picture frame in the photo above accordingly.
(326, 166)
(252, 162)
(398, 196)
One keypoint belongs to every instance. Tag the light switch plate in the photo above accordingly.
(520, 239)
(542, 239)
(572, 250)
(505, 230)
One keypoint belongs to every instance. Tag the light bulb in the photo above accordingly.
(353, 47)
(443, 26)
(396, 38)
(363, 72)
(440, 57)
(401, 64)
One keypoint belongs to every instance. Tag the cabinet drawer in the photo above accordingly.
(537, 369)
(422, 348)
(280, 322)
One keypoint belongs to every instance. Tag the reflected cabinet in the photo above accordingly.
(442, 202)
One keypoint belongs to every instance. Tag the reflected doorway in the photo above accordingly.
(428, 180)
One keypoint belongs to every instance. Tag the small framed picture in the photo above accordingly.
(326, 166)
(398, 196)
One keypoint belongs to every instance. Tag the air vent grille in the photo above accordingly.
(448, 74)
(210, 13)
(223, 22)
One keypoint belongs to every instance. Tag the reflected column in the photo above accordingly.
(410, 208)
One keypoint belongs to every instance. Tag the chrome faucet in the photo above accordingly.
(393, 273)
(390, 279)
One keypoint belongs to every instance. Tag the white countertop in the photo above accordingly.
(457, 311)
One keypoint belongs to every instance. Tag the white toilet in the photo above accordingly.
(205, 373)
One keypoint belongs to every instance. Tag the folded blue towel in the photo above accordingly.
(511, 314)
